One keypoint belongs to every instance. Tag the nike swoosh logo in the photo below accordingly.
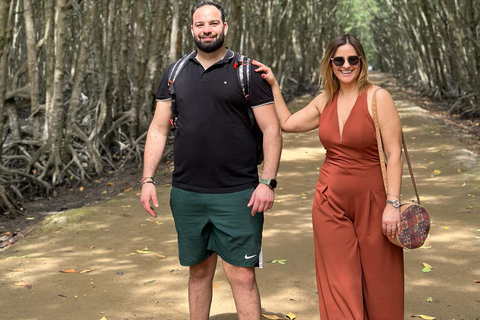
(249, 257)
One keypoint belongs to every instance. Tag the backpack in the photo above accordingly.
(243, 65)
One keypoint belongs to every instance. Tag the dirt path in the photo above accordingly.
(127, 284)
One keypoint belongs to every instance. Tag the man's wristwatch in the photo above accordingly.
(271, 183)
(395, 203)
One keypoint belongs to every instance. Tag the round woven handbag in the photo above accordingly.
(414, 226)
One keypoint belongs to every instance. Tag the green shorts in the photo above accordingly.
(209, 223)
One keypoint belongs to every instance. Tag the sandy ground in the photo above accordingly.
(130, 261)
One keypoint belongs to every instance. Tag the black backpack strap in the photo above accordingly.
(243, 65)
(176, 69)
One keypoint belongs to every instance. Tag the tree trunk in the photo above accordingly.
(139, 58)
(172, 56)
(5, 35)
(57, 112)
(32, 65)
(49, 67)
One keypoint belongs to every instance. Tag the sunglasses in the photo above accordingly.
(352, 60)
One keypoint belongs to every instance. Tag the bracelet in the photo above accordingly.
(145, 178)
(393, 194)
(148, 181)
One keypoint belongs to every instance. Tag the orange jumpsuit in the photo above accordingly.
(359, 272)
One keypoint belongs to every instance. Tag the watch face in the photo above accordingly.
(394, 203)
(273, 183)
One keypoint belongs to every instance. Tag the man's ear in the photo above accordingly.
(225, 28)
(191, 30)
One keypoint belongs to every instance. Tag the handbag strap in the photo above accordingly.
(381, 154)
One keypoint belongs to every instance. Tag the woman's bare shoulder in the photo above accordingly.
(319, 102)
(381, 93)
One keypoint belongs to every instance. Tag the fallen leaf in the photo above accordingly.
(27, 285)
(127, 206)
(92, 247)
(17, 270)
(429, 299)
(130, 254)
(291, 316)
(423, 317)
(104, 192)
(272, 317)
(469, 207)
(103, 318)
(144, 251)
(436, 171)
(110, 184)
(160, 255)
(20, 284)
(427, 267)
(445, 228)
(476, 281)
(68, 271)
(81, 189)
(86, 271)
(283, 261)
(30, 218)
(425, 248)
(149, 282)
(158, 222)
(127, 190)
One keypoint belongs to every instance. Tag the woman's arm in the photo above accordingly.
(391, 131)
(303, 120)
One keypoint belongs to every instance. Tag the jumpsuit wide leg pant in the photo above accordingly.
(359, 272)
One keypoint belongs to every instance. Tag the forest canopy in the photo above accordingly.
(78, 77)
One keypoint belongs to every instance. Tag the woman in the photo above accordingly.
(359, 272)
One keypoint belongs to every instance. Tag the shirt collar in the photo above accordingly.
(229, 55)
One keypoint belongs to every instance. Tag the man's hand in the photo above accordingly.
(149, 193)
(262, 199)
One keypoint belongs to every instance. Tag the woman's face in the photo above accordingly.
(346, 73)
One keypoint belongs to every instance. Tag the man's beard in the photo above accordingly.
(211, 46)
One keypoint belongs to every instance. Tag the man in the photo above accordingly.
(216, 200)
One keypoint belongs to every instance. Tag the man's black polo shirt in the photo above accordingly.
(214, 148)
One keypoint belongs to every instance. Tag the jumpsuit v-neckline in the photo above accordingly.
(340, 130)
(359, 272)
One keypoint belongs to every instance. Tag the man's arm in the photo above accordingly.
(154, 146)
(266, 117)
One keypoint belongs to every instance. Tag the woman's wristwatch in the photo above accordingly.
(395, 203)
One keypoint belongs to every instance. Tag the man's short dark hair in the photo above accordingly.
(208, 3)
